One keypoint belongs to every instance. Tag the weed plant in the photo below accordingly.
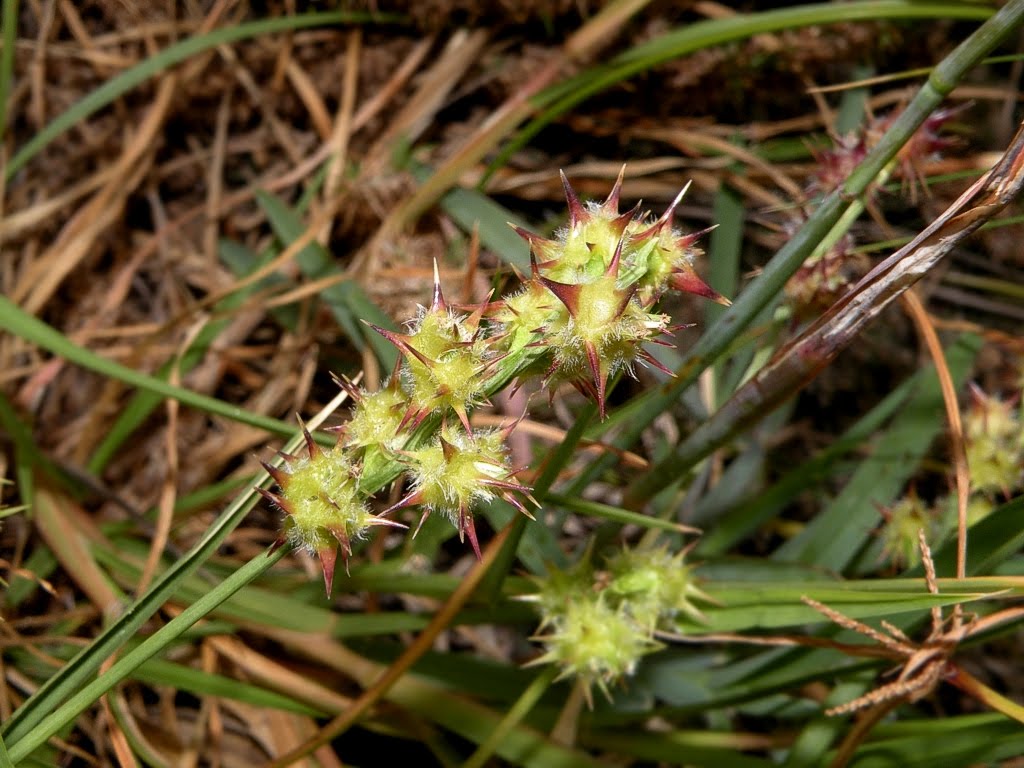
(650, 587)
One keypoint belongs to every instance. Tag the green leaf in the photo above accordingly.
(20, 323)
(835, 536)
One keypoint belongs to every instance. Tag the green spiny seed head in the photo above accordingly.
(595, 642)
(993, 443)
(527, 312)
(323, 501)
(655, 586)
(558, 588)
(600, 331)
(377, 417)
(904, 522)
(606, 269)
(447, 361)
(325, 507)
(458, 471)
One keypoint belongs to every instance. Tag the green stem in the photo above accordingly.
(526, 701)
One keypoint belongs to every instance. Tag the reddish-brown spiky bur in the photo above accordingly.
(584, 314)
(829, 273)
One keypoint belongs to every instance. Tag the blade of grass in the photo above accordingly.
(615, 514)
(144, 402)
(199, 683)
(835, 536)
(127, 663)
(560, 98)
(10, 36)
(746, 517)
(811, 352)
(20, 323)
(513, 716)
(73, 675)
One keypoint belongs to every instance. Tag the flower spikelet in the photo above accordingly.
(326, 510)
(446, 361)
(456, 472)
(597, 624)
(656, 586)
(593, 286)
(595, 643)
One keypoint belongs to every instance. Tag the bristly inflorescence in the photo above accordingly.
(596, 625)
(584, 314)
(592, 290)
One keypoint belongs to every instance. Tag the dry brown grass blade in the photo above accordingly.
(557, 435)
(926, 329)
(341, 131)
(44, 276)
(585, 43)
(57, 519)
(277, 676)
(168, 490)
(118, 739)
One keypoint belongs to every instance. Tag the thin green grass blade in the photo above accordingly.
(747, 517)
(199, 683)
(753, 605)
(614, 514)
(980, 743)
(990, 542)
(242, 262)
(5, 759)
(20, 323)
(724, 256)
(10, 36)
(130, 661)
(347, 301)
(523, 745)
(513, 717)
(144, 402)
(835, 536)
(696, 748)
(471, 209)
(73, 675)
(168, 57)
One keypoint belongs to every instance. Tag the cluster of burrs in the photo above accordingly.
(596, 624)
(830, 272)
(582, 316)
